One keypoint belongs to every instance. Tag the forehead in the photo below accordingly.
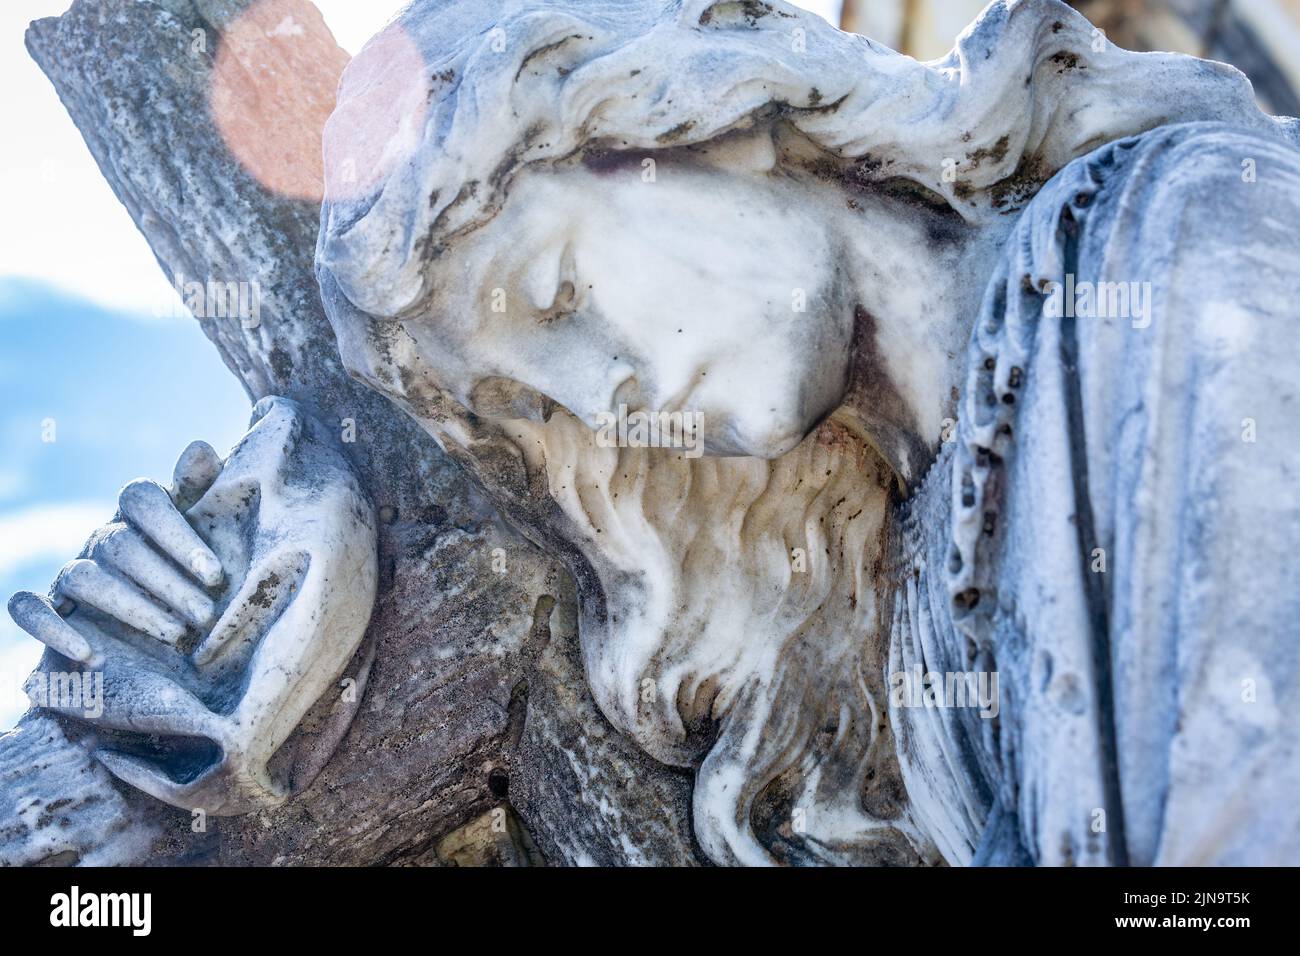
(673, 204)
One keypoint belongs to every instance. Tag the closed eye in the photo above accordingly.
(563, 279)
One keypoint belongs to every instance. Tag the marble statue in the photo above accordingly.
(841, 385)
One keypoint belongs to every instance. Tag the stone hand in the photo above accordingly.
(214, 616)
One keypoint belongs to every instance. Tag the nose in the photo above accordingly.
(728, 438)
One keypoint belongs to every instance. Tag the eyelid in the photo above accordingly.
(550, 283)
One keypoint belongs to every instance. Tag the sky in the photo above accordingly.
(91, 340)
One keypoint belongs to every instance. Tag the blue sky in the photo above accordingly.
(126, 392)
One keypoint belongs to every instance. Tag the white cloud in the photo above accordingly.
(64, 225)
(17, 660)
(48, 532)
(12, 483)
(354, 23)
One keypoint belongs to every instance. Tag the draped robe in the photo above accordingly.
(1114, 528)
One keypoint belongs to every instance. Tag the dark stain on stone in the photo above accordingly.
(264, 595)
(282, 364)
(997, 152)
(751, 10)
(1010, 193)
(543, 51)
(677, 132)
(1065, 60)
(876, 398)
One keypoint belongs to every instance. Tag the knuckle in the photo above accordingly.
(76, 573)
(110, 541)
(75, 569)
(141, 491)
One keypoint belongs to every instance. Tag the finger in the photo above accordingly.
(126, 552)
(87, 583)
(258, 604)
(36, 615)
(219, 790)
(148, 777)
(134, 698)
(196, 470)
(150, 509)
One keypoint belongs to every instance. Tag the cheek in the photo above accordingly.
(678, 315)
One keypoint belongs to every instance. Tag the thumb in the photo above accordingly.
(196, 470)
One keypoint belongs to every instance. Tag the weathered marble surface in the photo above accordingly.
(805, 267)
(1131, 679)
(1139, 591)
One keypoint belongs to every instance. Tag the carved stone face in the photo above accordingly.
(674, 285)
(467, 202)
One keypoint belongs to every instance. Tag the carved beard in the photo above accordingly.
(730, 622)
(769, 681)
